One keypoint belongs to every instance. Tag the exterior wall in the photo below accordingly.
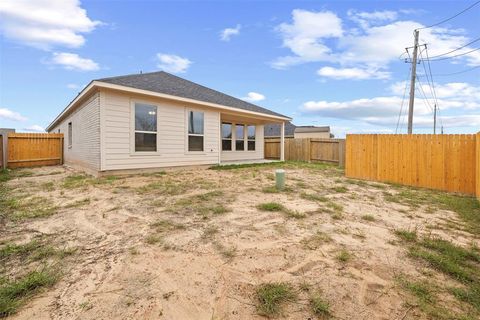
(85, 149)
(245, 154)
(319, 135)
(118, 134)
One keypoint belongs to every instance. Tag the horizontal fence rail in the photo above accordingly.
(307, 149)
(443, 162)
(34, 149)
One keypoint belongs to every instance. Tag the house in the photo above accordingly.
(156, 120)
(293, 131)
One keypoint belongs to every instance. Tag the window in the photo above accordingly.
(251, 138)
(226, 136)
(145, 128)
(195, 131)
(239, 137)
(69, 134)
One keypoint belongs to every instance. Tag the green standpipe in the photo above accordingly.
(280, 179)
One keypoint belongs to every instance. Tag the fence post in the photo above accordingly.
(341, 153)
(477, 165)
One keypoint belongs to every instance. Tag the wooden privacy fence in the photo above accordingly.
(443, 162)
(34, 149)
(307, 149)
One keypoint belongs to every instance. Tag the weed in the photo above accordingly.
(313, 197)
(294, 214)
(406, 235)
(78, 203)
(270, 206)
(209, 232)
(48, 186)
(340, 189)
(344, 256)
(154, 239)
(319, 306)
(227, 252)
(368, 217)
(316, 241)
(271, 296)
(166, 225)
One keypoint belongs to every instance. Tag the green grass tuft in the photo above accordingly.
(14, 293)
(271, 297)
(270, 206)
(319, 306)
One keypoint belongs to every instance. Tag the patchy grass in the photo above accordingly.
(319, 306)
(368, 217)
(271, 206)
(467, 208)
(228, 252)
(78, 203)
(460, 264)
(209, 232)
(278, 207)
(154, 239)
(37, 249)
(344, 256)
(406, 235)
(212, 202)
(166, 225)
(272, 296)
(14, 293)
(316, 241)
(340, 189)
(313, 197)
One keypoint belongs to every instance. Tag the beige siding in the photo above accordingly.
(118, 134)
(318, 135)
(85, 149)
(247, 155)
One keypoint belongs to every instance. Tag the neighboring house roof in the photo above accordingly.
(163, 82)
(165, 85)
(273, 130)
(312, 129)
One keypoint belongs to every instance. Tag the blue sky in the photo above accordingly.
(334, 63)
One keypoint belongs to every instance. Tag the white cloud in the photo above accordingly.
(452, 99)
(73, 86)
(34, 128)
(352, 73)
(365, 19)
(72, 61)
(254, 97)
(227, 33)
(375, 43)
(45, 23)
(306, 34)
(172, 63)
(11, 115)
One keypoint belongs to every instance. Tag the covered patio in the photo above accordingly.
(242, 138)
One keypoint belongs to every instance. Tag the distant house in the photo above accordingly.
(155, 120)
(293, 131)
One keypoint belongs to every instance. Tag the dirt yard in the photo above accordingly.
(225, 244)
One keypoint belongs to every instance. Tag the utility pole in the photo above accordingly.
(412, 83)
(434, 118)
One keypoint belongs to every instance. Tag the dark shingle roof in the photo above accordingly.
(273, 130)
(166, 83)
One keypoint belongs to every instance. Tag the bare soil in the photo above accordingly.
(192, 244)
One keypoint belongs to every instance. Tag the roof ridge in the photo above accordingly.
(131, 75)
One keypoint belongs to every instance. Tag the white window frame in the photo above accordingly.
(187, 134)
(133, 131)
(244, 136)
(254, 140)
(70, 134)
(222, 138)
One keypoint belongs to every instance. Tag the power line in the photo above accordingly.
(444, 54)
(403, 99)
(457, 55)
(459, 72)
(448, 19)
